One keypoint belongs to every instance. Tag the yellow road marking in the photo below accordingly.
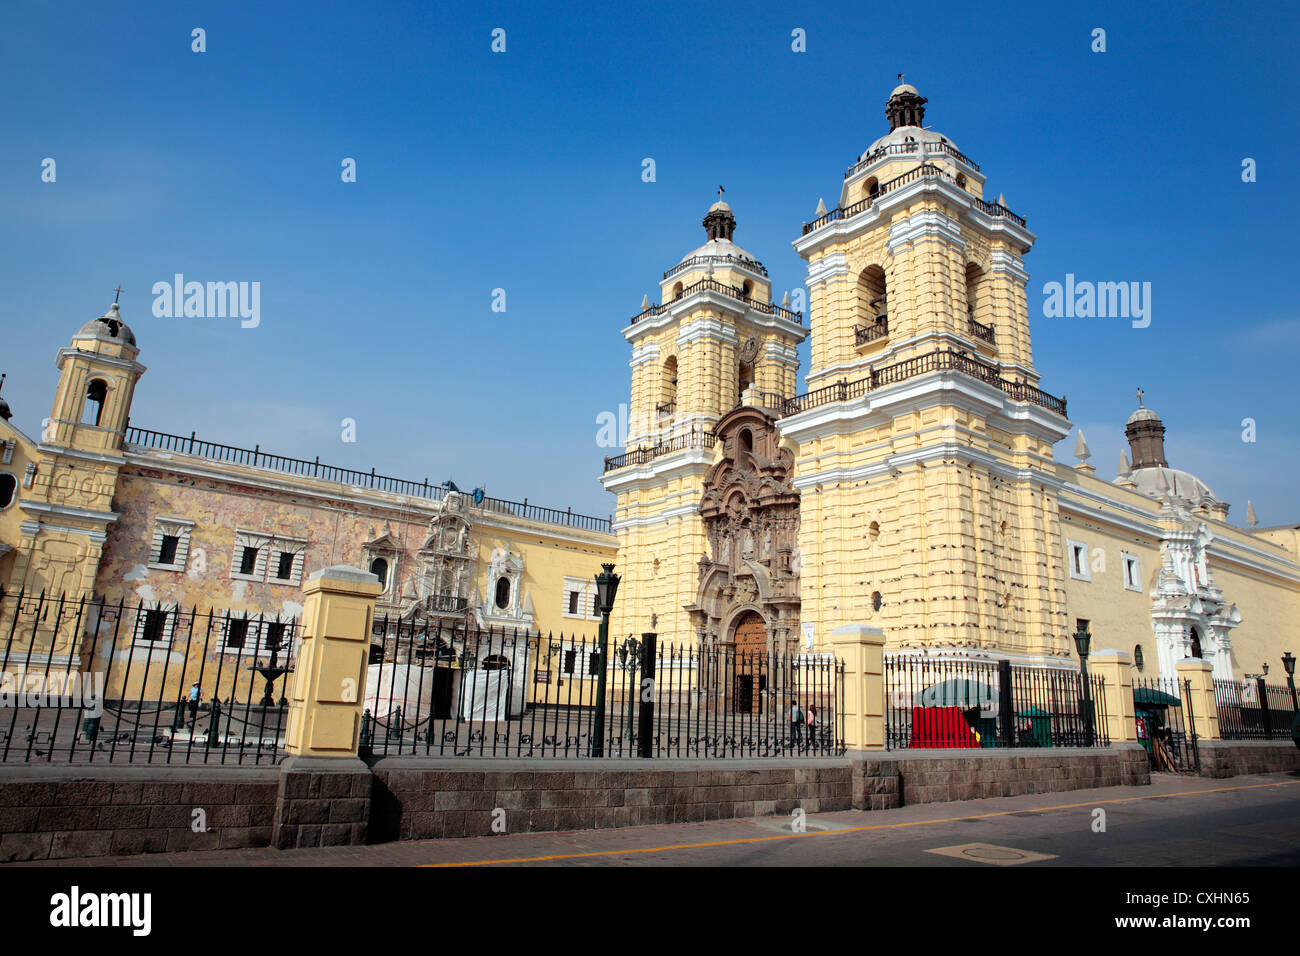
(861, 829)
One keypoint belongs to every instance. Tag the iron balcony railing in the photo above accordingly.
(143, 438)
(907, 149)
(693, 261)
(925, 170)
(942, 360)
(870, 333)
(713, 285)
(981, 331)
(695, 438)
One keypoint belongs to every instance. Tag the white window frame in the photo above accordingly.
(581, 661)
(269, 548)
(1079, 548)
(255, 645)
(282, 545)
(178, 528)
(587, 596)
(250, 539)
(1126, 561)
(169, 628)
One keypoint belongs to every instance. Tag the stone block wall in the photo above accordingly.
(1231, 758)
(942, 776)
(415, 803)
(61, 812)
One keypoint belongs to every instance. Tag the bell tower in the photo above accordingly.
(69, 505)
(925, 445)
(716, 334)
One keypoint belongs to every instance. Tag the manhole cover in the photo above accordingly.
(994, 855)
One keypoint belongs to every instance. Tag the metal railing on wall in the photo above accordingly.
(936, 703)
(448, 690)
(86, 681)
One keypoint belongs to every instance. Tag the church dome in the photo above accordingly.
(109, 328)
(1143, 415)
(719, 226)
(721, 249)
(907, 134)
(1160, 482)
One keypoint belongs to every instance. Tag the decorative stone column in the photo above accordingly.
(1115, 668)
(862, 649)
(326, 697)
(1196, 682)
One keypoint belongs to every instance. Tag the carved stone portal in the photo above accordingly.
(751, 518)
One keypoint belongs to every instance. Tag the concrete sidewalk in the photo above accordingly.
(1175, 821)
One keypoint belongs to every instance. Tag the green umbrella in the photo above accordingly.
(1154, 698)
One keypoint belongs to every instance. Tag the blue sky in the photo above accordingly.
(522, 171)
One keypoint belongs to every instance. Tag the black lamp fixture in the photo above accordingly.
(607, 588)
(1288, 664)
(606, 591)
(1083, 641)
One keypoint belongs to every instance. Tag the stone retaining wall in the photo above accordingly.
(899, 778)
(1231, 758)
(461, 798)
(60, 812)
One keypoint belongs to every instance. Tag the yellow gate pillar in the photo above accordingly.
(1196, 681)
(1115, 667)
(862, 649)
(328, 688)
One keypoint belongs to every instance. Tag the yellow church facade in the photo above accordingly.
(930, 503)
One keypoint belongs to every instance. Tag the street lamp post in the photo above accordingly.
(606, 590)
(1082, 643)
(1288, 663)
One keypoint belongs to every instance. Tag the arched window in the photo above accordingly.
(496, 662)
(746, 440)
(668, 386)
(871, 188)
(503, 592)
(8, 489)
(873, 529)
(980, 324)
(744, 378)
(677, 291)
(873, 303)
(1196, 643)
(747, 288)
(379, 568)
(876, 600)
(1138, 660)
(93, 409)
(961, 180)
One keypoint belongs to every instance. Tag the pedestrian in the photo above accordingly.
(812, 726)
(796, 724)
(196, 696)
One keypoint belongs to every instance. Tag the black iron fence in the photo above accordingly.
(454, 691)
(85, 680)
(1250, 709)
(1166, 724)
(936, 703)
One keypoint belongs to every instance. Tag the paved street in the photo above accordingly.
(1177, 821)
